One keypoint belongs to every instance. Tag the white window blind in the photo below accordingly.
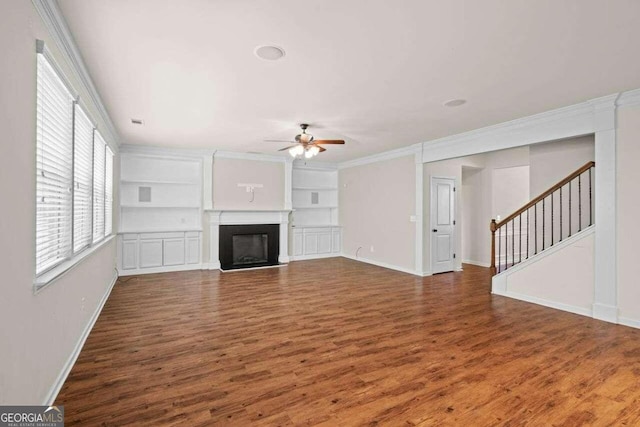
(99, 152)
(108, 193)
(54, 146)
(83, 179)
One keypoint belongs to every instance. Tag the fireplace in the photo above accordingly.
(246, 246)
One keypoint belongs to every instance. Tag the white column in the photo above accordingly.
(214, 240)
(207, 181)
(418, 215)
(283, 257)
(288, 183)
(605, 303)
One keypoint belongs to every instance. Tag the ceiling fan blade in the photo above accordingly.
(322, 149)
(279, 140)
(328, 141)
(287, 148)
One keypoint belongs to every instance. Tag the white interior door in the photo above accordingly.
(442, 224)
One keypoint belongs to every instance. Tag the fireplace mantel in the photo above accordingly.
(241, 217)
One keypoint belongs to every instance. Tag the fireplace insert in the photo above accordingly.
(246, 246)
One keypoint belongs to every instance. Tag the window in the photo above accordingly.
(74, 174)
(108, 193)
(99, 154)
(54, 133)
(83, 180)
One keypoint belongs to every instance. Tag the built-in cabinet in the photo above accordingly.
(160, 251)
(316, 241)
(160, 214)
(315, 229)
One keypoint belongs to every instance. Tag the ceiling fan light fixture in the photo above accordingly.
(314, 150)
(296, 151)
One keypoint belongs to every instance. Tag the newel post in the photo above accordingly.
(493, 227)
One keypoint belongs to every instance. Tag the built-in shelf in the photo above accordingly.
(140, 181)
(314, 198)
(158, 230)
(161, 206)
(315, 188)
(314, 207)
(316, 226)
(161, 213)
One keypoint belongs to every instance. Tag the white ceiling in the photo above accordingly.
(374, 72)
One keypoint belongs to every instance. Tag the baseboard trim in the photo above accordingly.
(540, 301)
(315, 256)
(62, 377)
(608, 313)
(211, 266)
(383, 265)
(625, 321)
(167, 269)
(478, 263)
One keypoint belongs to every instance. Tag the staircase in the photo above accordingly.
(562, 211)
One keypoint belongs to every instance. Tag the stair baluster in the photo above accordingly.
(509, 223)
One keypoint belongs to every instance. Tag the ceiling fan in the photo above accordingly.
(306, 145)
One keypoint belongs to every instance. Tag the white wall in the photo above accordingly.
(510, 190)
(628, 212)
(552, 161)
(38, 332)
(376, 201)
(475, 207)
(228, 173)
(557, 278)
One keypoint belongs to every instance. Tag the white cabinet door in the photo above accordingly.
(324, 242)
(297, 244)
(193, 250)
(335, 243)
(310, 243)
(150, 253)
(129, 254)
(173, 252)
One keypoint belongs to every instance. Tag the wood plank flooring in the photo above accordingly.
(339, 343)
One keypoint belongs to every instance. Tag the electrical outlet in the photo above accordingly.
(371, 249)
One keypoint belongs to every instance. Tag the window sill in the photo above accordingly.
(58, 272)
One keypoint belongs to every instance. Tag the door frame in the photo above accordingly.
(454, 234)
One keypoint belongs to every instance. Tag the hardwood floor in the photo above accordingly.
(336, 342)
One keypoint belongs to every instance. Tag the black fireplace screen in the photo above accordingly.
(250, 249)
(252, 245)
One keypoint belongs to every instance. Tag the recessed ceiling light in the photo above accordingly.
(137, 121)
(269, 53)
(455, 102)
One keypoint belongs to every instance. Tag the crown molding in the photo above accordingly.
(387, 155)
(629, 98)
(578, 119)
(314, 165)
(221, 154)
(56, 25)
(165, 151)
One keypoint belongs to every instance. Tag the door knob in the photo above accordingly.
(434, 230)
